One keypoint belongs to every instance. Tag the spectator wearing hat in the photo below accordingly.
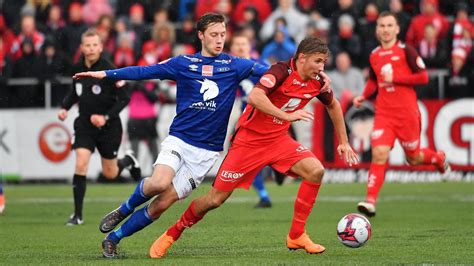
(460, 80)
(462, 31)
(28, 95)
(138, 26)
(73, 30)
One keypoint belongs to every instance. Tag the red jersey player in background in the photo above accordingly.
(394, 69)
(261, 139)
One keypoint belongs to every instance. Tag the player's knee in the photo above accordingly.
(379, 156)
(316, 175)
(157, 186)
(81, 167)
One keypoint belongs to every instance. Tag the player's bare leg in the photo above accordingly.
(149, 187)
(375, 180)
(311, 171)
(193, 214)
(110, 168)
(139, 220)
(79, 185)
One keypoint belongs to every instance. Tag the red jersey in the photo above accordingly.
(398, 97)
(287, 91)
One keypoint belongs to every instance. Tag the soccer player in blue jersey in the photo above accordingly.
(206, 89)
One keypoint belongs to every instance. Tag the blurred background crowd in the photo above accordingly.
(39, 39)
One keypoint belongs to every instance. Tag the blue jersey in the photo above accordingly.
(206, 88)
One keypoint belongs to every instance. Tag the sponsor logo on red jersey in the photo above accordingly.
(268, 80)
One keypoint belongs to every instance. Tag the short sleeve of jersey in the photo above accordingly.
(326, 96)
(273, 78)
(414, 60)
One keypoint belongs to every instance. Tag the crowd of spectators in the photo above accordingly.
(40, 38)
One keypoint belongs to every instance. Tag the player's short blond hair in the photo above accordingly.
(90, 33)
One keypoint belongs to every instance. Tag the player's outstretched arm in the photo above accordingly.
(259, 99)
(337, 118)
(90, 74)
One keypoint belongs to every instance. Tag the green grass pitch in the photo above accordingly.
(418, 223)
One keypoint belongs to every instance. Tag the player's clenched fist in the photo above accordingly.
(98, 120)
(358, 100)
(62, 114)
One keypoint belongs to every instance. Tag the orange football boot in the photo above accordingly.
(160, 246)
(304, 242)
(2, 203)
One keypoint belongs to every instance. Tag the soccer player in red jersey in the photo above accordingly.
(261, 139)
(394, 69)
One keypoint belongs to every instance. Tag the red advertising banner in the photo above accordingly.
(446, 125)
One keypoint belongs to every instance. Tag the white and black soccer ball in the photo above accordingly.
(354, 230)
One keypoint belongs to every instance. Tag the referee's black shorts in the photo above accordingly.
(106, 139)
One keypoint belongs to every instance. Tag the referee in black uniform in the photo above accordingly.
(98, 124)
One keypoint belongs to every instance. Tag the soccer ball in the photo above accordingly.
(354, 230)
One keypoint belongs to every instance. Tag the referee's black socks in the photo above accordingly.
(79, 190)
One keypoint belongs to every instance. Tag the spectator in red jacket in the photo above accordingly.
(263, 8)
(462, 30)
(28, 31)
(6, 35)
(429, 15)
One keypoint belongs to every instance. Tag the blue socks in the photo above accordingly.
(139, 220)
(136, 199)
(260, 187)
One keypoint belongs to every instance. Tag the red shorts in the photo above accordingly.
(242, 162)
(406, 130)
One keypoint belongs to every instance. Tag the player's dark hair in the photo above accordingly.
(311, 45)
(208, 19)
(388, 14)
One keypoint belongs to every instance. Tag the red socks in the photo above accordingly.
(375, 181)
(430, 156)
(188, 219)
(304, 203)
